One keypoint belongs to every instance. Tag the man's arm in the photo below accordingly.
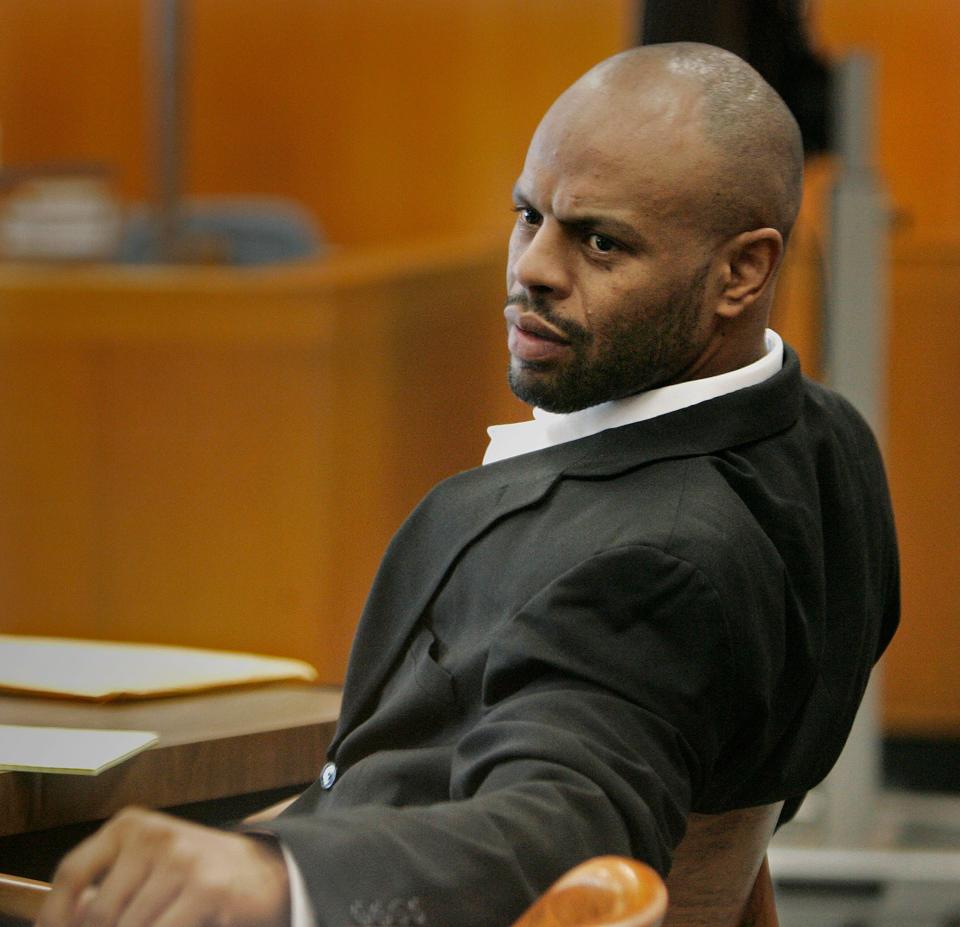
(603, 705)
(605, 700)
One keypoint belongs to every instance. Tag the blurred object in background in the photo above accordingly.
(175, 228)
(223, 230)
(209, 230)
(771, 35)
(58, 213)
(72, 213)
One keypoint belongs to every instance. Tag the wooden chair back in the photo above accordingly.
(719, 876)
(606, 891)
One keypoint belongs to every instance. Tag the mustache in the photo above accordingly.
(541, 307)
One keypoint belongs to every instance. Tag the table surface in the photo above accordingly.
(211, 745)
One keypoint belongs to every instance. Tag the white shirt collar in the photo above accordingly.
(550, 428)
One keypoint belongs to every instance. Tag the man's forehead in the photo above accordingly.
(618, 203)
(596, 162)
(592, 180)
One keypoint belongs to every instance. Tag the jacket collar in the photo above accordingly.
(741, 417)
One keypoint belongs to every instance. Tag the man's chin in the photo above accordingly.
(538, 388)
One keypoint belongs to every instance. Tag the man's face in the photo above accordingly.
(607, 277)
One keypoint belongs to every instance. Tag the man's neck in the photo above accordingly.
(548, 428)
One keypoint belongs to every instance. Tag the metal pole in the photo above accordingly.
(857, 291)
(164, 51)
(856, 365)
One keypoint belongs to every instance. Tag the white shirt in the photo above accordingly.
(549, 428)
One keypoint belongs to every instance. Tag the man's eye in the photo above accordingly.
(601, 243)
(528, 215)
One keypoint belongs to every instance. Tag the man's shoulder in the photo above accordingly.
(682, 474)
(837, 414)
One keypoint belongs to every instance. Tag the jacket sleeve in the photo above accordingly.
(606, 699)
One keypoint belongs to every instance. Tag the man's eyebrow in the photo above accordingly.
(606, 223)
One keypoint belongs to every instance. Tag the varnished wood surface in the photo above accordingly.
(761, 910)
(606, 891)
(715, 869)
(922, 697)
(21, 898)
(211, 746)
(914, 47)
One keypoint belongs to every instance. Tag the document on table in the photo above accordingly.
(105, 670)
(79, 751)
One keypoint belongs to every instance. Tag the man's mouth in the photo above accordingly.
(532, 324)
(530, 338)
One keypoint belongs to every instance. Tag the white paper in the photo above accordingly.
(79, 751)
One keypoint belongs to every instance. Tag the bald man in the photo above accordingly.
(663, 593)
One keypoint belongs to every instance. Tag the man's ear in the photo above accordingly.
(749, 261)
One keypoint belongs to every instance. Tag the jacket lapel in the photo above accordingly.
(417, 560)
(458, 510)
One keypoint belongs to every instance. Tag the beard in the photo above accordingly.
(636, 347)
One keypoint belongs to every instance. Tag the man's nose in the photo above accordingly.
(541, 265)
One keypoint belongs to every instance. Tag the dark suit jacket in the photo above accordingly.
(566, 652)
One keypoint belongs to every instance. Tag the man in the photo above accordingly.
(664, 594)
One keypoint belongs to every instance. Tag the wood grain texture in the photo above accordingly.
(606, 891)
(21, 898)
(761, 909)
(390, 121)
(716, 867)
(210, 746)
(922, 697)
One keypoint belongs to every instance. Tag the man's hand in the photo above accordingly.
(144, 869)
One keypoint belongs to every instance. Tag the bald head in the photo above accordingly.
(733, 130)
(652, 210)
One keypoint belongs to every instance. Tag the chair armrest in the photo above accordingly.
(21, 897)
(606, 891)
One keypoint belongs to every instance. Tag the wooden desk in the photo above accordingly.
(211, 746)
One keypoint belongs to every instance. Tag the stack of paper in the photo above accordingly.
(103, 670)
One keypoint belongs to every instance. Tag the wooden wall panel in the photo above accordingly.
(918, 107)
(71, 85)
(219, 458)
(222, 463)
(386, 119)
(917, 134)
(922, 695)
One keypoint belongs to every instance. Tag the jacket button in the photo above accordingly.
(328, 775)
